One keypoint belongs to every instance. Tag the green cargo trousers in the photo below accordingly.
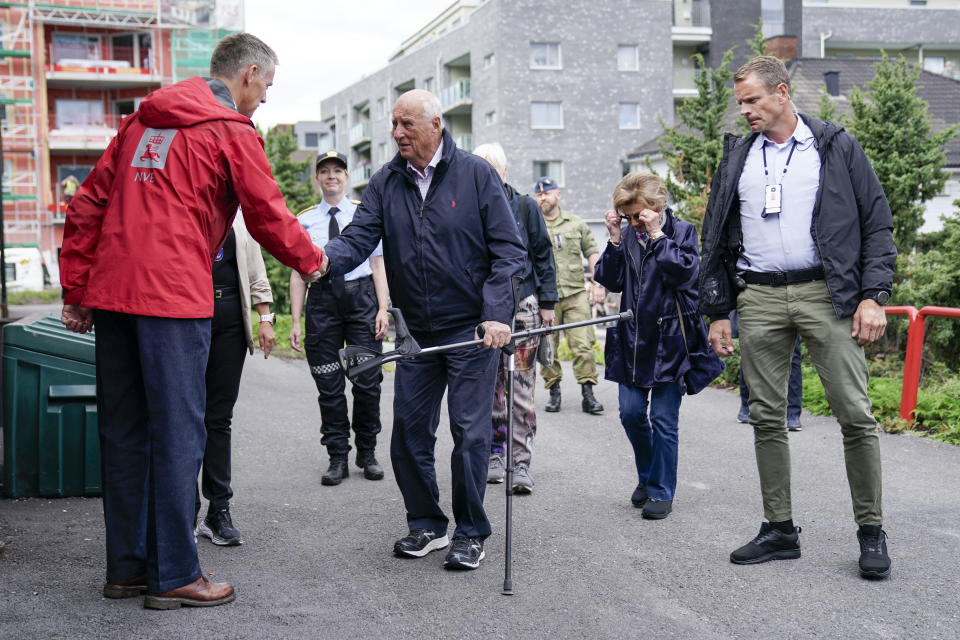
(573, 308)
(770, 318)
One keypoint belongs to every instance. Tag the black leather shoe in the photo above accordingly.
(874, 561)
(770, 544)
(465, 553)
(338, 471)
(639, 496)
(553, 404)
(371, 468)
(590, 404)
(420, 542)
(657, 509)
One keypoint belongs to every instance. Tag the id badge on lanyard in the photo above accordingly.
(773, 193)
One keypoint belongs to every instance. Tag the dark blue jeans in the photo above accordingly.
(468, 376)
(654, 438)
(150, 398)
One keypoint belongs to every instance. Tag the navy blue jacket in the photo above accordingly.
(649, 349)
(449, 257)
(540, 272)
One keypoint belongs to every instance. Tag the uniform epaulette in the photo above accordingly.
(313, 206)
(355, 201)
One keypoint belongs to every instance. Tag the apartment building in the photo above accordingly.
(573, 89)
(70, 70)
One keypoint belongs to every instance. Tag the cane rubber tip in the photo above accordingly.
(507, 592)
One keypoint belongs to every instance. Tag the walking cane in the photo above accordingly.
(508, 393)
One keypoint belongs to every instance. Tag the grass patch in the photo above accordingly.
(47, 296)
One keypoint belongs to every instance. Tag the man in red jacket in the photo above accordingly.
(138, 249)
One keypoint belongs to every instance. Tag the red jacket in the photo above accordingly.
(142, 231)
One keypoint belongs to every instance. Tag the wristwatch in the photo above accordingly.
(269, 317)
(880, 297)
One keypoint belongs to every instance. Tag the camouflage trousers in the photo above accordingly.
(524, 382)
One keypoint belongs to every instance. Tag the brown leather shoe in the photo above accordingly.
(130, 588)
(201, 593)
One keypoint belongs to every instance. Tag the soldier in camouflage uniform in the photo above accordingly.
(571, 239)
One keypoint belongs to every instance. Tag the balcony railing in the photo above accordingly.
(455, 94)
(359, 133)
(83, 131)
(122, 60)
(697, 16)
(359, 176)
(464, 142)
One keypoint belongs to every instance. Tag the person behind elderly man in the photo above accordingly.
(451, 247)
(138, 249)
(537, 297)
(798, 237)
(349, 309)
(572, 241)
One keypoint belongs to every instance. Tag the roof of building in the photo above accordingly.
(807, 82)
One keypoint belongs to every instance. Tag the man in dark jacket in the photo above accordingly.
(138, 249)
(451, 247)
(797, 237)
(536, 298)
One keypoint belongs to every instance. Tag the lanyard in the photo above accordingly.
(766, 173)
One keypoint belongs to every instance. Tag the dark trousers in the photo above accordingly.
(654, 438)
(150, 399)
(332, 322)
(228, 349)
(468, 376)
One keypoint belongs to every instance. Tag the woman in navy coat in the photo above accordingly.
(662, 352)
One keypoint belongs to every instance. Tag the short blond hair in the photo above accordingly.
(771, 71)
(643, 187)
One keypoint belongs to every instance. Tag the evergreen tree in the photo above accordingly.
(825, 108)
(293, 178)
(758, 44)
(692, 158)
(894, 129)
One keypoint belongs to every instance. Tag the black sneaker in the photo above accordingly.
(874, 561)
(420, 542)
(770, 544)
(639, 496)
(657, 509)
(219, 528)
(466, 553)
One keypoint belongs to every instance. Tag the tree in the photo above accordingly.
(758, 44)
(293, 178)
(892, 126)
(825, 108)
(692, 158)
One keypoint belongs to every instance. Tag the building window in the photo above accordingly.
(490, 117)
(629, 115)
(428, 84)
(488, 60)
(311, 140)
(550, 168)
(918, 3)
(546, 115)
(80, 113)
(628, 57)
(771, 12)
(75, 46)
(381, 108)
(382, 152)
(545, 55)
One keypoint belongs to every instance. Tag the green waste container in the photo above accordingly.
(50, 443)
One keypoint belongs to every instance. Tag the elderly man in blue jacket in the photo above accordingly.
(451, 246)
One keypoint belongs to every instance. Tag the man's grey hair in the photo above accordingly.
(493, 153)
(431, 103)
(235, 53)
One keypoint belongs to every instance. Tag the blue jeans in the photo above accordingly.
(150, 397)
(654, 439)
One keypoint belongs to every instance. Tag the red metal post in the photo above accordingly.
(911, 364)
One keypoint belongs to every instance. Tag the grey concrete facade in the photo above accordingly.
(590, 144)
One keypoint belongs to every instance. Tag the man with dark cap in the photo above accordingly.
(349, 308)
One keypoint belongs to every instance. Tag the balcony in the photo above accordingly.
(360, 176)
(691, 21)
(359, 134)
(456, 99)
(464, 142)
(72, 66)
(86, 134)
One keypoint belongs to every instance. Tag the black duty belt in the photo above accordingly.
(349, 284)
(219, 292)
(780, 278)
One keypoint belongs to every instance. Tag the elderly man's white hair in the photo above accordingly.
(493, 153)
(430, 102)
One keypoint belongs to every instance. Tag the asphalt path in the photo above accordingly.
(316, 561)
